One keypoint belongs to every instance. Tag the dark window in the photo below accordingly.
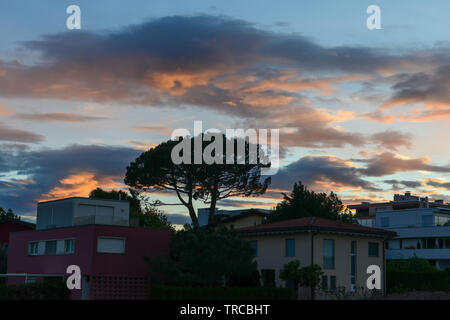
(254, 245)
(374, 249)
(290, 247)
(328, 254)
(324, 283)
(50, 247)
(332, 282)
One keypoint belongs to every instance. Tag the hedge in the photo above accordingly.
(434, 280)
(46, 290)
(219, 293)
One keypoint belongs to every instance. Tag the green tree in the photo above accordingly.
(204, 257)
(310, 277)
(207, 182)
(3, 261)
(291, 272)
(141, 208)
(303, 202)
(8, 215)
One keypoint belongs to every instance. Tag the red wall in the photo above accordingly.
(9, 226)
(140, 242)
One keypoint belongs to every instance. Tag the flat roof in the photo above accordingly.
(82, 198)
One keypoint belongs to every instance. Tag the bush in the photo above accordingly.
(402, 281)
(46, 290)
(219, 293)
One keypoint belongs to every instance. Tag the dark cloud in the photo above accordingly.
(321, 170)
(17, 135)
(57, 117)
(388, 163)
(47, 167)
(438, 184)
(402, 184)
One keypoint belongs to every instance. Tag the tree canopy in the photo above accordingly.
(141, 208)
(204, 257)
(302, 202)
(191, 180)
(8, 215)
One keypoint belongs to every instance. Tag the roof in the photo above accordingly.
(20, 222)
(397, 204)
(314, 224)
(82, 198)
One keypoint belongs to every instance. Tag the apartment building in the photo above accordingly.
(95, 235)
(343, 250)
(422, 227)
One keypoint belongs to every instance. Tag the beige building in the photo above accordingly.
(247, 218)
(343, 250)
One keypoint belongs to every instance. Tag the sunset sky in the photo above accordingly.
(361, 112)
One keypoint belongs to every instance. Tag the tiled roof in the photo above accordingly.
(316, 224)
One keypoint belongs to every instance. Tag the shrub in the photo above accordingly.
(433, 280)
(219, 293)
(46, 290)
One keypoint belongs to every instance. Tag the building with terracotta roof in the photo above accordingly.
(343, 250)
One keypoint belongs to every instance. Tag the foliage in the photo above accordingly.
(413, 264)
(308, 276)
(405, 281)
(140, 208)
(8, 215)
(219, 293)
(3, 260)
(303, 202)
(204, 257)
(154, 169)
(341, 293)
(45, 290)
(268, 278)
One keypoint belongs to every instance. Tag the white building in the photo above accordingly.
(422, 227)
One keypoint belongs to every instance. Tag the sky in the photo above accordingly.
(361, 112)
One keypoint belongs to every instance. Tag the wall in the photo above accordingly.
(246, 221)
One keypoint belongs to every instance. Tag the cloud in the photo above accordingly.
(438, 183)
(57, 117)
(388, 163)
(18, 135)
(72, 170)
(392, 139)
(402, 184)
(322, 172)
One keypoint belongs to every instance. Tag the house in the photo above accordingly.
(343, 250)
(234, 218)
(12, 225)
(95, 235)
(422, 227)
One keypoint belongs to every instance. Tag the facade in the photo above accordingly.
(422, 226)
(343, 250)
(80, 232)
(234, 218)
(422, 232)
(9, 226)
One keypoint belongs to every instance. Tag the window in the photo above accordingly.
(328, 254)
(50, 247)
(384, 222)
(290, 247)
(69, 246)
(373, 249)
(254, 245)
(110, 245)
(324, 283)
(427, 221)
(33, 248)
(333, 283)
